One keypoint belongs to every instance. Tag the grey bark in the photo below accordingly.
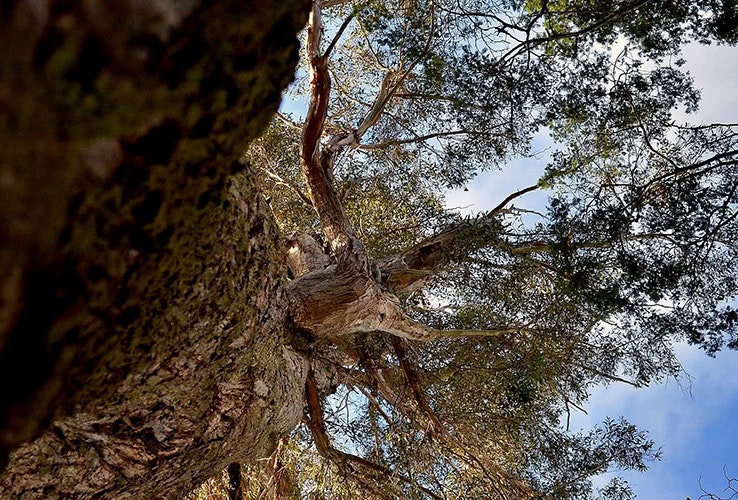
(143, 338)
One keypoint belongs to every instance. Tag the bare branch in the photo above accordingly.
(433, 252)
(293, 187)
(373, 401)
(317, 162)
(703, 127)
(399, 325)
(391, 83)
(509, 198)
(320, 87)
(396, 142)
(613, 378)
(435, 427)
(343, 27)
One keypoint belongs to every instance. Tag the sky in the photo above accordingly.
(693, 420)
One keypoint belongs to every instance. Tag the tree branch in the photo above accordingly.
(290, 185)
(288, 122)
(435, 427)
(396, 142)
(316, 424)
(390, 84)
(333, 43)
(434, 252)
(613, 378)
(532, 42)
(509, 198)
(317, 162)
(320, 88)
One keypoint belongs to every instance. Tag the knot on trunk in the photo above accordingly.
(305, 254)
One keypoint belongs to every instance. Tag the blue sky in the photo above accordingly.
(693, 419)
(695, 426)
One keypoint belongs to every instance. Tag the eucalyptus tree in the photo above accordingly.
(447, 351)
(153, 334)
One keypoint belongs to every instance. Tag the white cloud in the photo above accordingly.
(492, 187)
(685, 424)
(715, 72)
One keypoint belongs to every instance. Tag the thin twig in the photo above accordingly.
(288, 122)
(338, 35)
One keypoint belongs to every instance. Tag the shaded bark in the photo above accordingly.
(342, 299)
(234, 482)
(142, 317)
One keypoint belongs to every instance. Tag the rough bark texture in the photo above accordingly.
(142, 317)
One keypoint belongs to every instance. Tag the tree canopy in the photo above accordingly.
(446, 352)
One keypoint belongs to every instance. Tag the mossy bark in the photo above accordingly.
(143, 341)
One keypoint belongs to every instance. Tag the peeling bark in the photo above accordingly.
(304, 255)
(318, 159)
(354, 295)
(346, 297)
(340, 300)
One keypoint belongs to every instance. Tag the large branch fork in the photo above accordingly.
(332, 300)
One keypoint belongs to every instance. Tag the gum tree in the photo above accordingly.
(446, 350)
(157, 335)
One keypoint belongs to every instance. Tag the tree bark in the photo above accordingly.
(143, 338)
(234, 482)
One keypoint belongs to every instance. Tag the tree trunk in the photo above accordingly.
(143, 344)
